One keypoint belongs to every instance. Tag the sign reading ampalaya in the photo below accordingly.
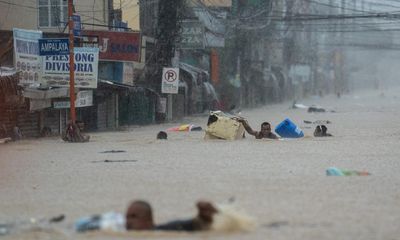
(55, 69)
(26, 52)
(53, 46)
(115, 46)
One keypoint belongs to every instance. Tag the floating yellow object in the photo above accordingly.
(223, 126)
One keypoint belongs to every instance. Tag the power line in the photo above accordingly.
(103, 25)
(16, 4)
(336, 6)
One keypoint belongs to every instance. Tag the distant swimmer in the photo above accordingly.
(321, 131)
(139, 216)
(162, 135)
(265, 131)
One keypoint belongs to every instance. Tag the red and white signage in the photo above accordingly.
(114, 46)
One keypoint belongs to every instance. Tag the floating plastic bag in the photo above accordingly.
(333, 171)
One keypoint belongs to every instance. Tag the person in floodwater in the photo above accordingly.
(73, 133)
(17, 134)
(321, 131)
(162, 135)
(139, 216)
(265, 131)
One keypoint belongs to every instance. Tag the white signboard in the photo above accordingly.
(26, 52)
(45, 94)
(55, 68)
(83, 99)
(37, 104)
(170, 80)
(127, 77)
(300, 73)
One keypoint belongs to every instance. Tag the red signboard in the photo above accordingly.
(114, 46)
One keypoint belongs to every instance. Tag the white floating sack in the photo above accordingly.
(231, 219)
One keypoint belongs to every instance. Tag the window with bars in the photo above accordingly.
(52, 13)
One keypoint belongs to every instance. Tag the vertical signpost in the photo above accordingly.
(170, 85)
(71, 62)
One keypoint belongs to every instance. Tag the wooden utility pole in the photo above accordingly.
(71, 62)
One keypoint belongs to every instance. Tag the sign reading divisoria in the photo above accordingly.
(55, 68)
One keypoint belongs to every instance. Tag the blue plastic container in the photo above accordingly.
(287, 129)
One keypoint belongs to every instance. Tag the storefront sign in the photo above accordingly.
(45, 94)
(115, 46)
(38, 104)
(83, 99)
(170, 80)
(26, 52)
(192, 35)
(49, 46)
(55, 69)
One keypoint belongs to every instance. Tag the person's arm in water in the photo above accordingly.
(202, 221)
(247, 126)
(273, 136)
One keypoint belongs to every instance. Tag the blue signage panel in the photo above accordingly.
(53, 46)
(77, 25)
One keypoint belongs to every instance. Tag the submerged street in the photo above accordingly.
(282, 184)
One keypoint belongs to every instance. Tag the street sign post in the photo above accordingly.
(170, 80)
(170, 85)
(71, 29)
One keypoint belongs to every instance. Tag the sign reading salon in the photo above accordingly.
(114, 46)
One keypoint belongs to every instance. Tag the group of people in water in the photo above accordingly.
(265, 130)
(139, 215)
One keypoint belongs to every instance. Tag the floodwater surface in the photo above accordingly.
(282, 184)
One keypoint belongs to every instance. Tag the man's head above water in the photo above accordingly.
(139, 216)
(265, 128)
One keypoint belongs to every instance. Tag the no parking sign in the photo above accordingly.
(170, 80)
